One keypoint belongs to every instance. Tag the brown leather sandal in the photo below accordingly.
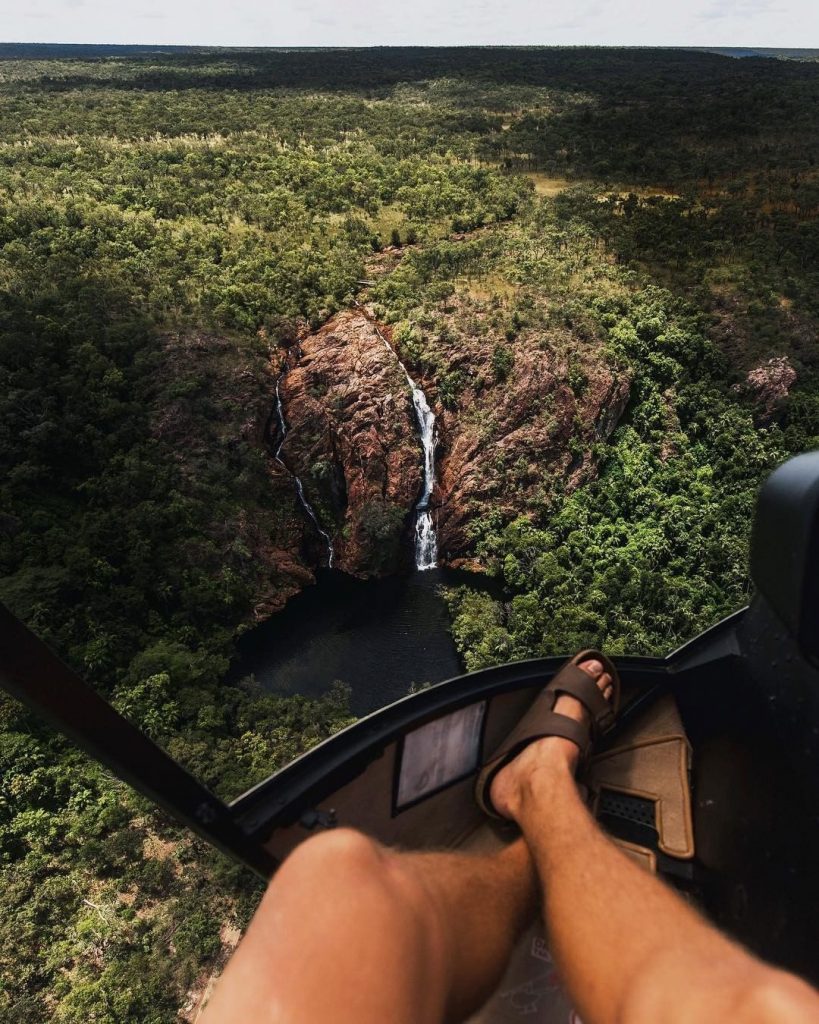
(541, 720)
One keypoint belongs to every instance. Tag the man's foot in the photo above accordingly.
(552, 756)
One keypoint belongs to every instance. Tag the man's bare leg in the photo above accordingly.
(353, 933)
(628, 948)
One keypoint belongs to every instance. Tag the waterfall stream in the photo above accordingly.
(426, 540)
(305, 504)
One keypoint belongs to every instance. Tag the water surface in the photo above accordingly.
(378, 636)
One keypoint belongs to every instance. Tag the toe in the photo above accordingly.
(594, 668)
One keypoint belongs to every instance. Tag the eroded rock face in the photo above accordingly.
(353, 441)
(768, 385)
(521, 428)
(510, 443)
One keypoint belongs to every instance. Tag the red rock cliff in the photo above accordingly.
(504, 445)
(352, 439)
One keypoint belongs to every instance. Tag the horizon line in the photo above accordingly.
(425, 46)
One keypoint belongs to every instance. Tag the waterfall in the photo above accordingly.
(426, 540)
(305, 504)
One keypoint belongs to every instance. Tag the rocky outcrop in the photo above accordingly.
(510, 444)
(353, 441)
(523, 425)
(768, 386)
(517, 420)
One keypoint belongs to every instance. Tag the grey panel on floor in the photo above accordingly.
(530, 990)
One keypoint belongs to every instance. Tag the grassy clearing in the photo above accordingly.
(488, 287)
(548, 186)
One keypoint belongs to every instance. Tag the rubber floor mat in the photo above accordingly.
(649, 769)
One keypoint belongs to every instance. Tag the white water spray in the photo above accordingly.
(305, 504)
(426, 540)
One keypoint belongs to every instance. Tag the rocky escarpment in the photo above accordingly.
(523, 425)
(352, 440)
(213, 418)
(520, 415)
(512, 431)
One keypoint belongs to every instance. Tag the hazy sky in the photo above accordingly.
(431, 22)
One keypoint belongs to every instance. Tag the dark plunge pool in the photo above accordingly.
(378, 636)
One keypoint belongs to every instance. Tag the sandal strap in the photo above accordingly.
(550, 724)
(541, 720)
(555, 724)
(576, 683)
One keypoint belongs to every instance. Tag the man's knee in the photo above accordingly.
(343, 861)
(778, 998)
(333, 855)
(344, 872)
(334, 866)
